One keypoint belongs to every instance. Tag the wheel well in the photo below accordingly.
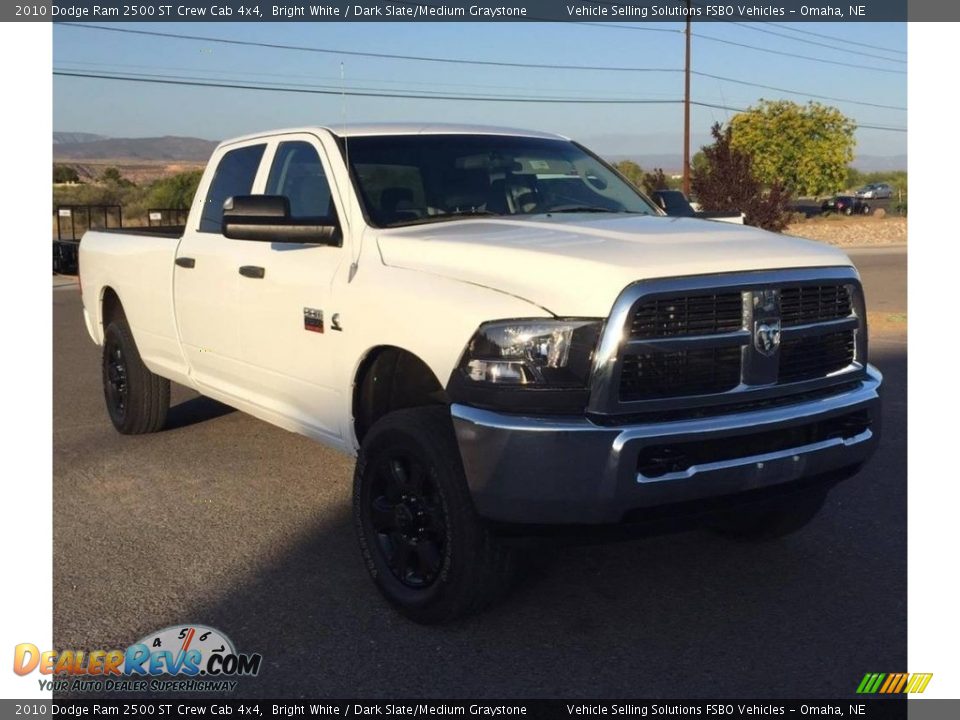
(388, 379)
(110, 307)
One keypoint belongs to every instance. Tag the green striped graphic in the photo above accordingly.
(897, 683)
(870, 683)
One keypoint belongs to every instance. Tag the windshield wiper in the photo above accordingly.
(473, 212)
(583, 209)
(468, 213)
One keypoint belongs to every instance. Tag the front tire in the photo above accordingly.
(425, 548)
(137, 400)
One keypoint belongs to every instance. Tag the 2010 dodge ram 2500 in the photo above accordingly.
(504, 331)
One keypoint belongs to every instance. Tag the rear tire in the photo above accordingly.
(428, 552)
(137, 400)
(772, 523)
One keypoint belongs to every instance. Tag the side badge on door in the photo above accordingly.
(313, 320)
(335, 322)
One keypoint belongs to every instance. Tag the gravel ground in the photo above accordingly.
(852, 231)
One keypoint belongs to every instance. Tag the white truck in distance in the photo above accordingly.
(507, 334)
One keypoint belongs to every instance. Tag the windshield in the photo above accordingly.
(411, 179)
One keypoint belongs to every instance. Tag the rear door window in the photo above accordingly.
(234, 176)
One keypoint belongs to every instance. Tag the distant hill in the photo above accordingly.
(879, 163)
(75, 137)
(86, 146)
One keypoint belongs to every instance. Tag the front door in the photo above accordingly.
(289, 337)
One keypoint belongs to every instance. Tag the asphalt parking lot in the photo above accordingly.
(224, 520)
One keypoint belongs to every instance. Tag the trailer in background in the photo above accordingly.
(167, 217)
(72, 222)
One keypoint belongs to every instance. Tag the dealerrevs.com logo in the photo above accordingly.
(179, 658)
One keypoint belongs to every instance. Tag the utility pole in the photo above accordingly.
(686, 111)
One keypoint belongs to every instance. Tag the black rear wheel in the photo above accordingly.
(137, 399)
(424, 546)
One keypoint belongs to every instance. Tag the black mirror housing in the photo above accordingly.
(266, 218)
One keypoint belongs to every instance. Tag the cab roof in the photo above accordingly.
(348, 130)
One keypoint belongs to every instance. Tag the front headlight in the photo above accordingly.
(538, 353)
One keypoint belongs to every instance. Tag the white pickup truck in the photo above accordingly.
(506, 334)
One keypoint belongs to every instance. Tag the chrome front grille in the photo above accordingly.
(810, 358)
(708, 340)
(679, 373)
(687, 315)
(814, 303)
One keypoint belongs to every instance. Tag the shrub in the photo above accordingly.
(176, 191)
(65, 174)
(726, 182)
(656, 180)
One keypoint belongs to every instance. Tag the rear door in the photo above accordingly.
(206, 274)
(289, 337)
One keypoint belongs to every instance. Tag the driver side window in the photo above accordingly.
(298, 174)
(234, 176)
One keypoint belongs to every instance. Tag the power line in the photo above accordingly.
(463, 61)
(331, 90)
(84, 66)
(457, 61)
(717, 106)
(615, 26)
(797, 92)
(358, 53)
(834, 37)
(783, 53)
(779, 52)
(376, 93)
(814, 42)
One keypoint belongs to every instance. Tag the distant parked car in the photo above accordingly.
(845, 204)
(875, 191)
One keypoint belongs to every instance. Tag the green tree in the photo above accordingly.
(725, 181)
(111, 175)
(854, 178)
(698, 163)
(176, 191)
(806, 148)
(631, 171)
(656, 180)
(65, 174)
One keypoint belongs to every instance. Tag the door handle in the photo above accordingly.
(185, 262)
(252, 271)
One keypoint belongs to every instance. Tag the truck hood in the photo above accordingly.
(576, 265)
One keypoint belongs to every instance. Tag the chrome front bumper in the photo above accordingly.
(552, 470)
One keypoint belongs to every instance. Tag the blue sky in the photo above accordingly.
(138, 110)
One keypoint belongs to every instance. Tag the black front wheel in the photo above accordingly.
(137, 399)
(427, 551)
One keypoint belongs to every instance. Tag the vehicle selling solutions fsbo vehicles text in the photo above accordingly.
(671, 11)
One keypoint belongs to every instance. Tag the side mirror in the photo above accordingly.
(266, 218)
